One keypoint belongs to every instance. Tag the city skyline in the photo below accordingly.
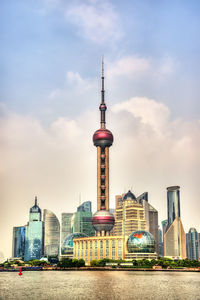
(49, 114)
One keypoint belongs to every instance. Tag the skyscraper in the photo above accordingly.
(51, 234)
(82, 223)
(160, 243)
(164, 226)
(103, 220)
(66, 227)
(85, 206)
(34, 234)
(18, 246)
(134, 214)
(174, 237)
(193, 244)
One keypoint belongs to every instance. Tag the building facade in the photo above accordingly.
(34, 234)
(193, 244)
(51, 234)
(174, 237)
(66, 226)
(82, 222)
(18, 245)
(139, 245)
(134, 214)
(85, 206)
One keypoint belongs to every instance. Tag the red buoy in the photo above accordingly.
(20, 272)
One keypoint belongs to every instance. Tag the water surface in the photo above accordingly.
(100, 285)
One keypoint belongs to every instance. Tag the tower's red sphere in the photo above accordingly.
(103, 138)
(103, 220)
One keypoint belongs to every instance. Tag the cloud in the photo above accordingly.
(149, 111)
(127, 66)
(95, 20)
(133, 65)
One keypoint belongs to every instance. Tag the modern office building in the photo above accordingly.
(85, 206)
(174, 237)
(164, 226)
(34, 234)
(51, 234)
(18, 245)
(130, 215)
(193, 244)
(66, 226)
(134, 214)
(160, 243)
(82, 222)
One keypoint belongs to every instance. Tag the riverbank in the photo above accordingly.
(101, 269)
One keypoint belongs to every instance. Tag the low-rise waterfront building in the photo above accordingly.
(139, 245)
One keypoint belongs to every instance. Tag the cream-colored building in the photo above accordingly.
(174, 237)
(134, 214)
(112, 247)
(175, 241)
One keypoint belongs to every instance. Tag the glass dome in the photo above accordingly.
(67, 247)
(141, 242)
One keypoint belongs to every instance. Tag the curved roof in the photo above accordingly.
(129, 195)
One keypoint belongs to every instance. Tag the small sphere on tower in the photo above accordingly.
(103, 220)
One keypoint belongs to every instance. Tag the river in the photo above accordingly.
(100, 285)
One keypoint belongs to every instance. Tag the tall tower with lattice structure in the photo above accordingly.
(103, 221)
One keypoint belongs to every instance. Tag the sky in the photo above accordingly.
(50, 68)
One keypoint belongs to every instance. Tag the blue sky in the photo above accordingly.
(49, 94)
(41, 41)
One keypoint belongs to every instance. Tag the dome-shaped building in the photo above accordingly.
(67, 247)
(141, 242)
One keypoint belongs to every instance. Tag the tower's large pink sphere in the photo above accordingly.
(103, 220)
(103, 137)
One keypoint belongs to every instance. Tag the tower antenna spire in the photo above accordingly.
(102, 106)
(35, 200)
(102, 73)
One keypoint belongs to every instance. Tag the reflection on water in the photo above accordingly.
(100, 285)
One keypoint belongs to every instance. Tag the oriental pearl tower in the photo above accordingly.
(103, 221)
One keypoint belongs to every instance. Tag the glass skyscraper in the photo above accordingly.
(18, 247)
(174, 237)
(82, 222)
(85, 206)
(193, 244)
(66, 227)
(173, 203)
(51, 234)
(34, 234)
